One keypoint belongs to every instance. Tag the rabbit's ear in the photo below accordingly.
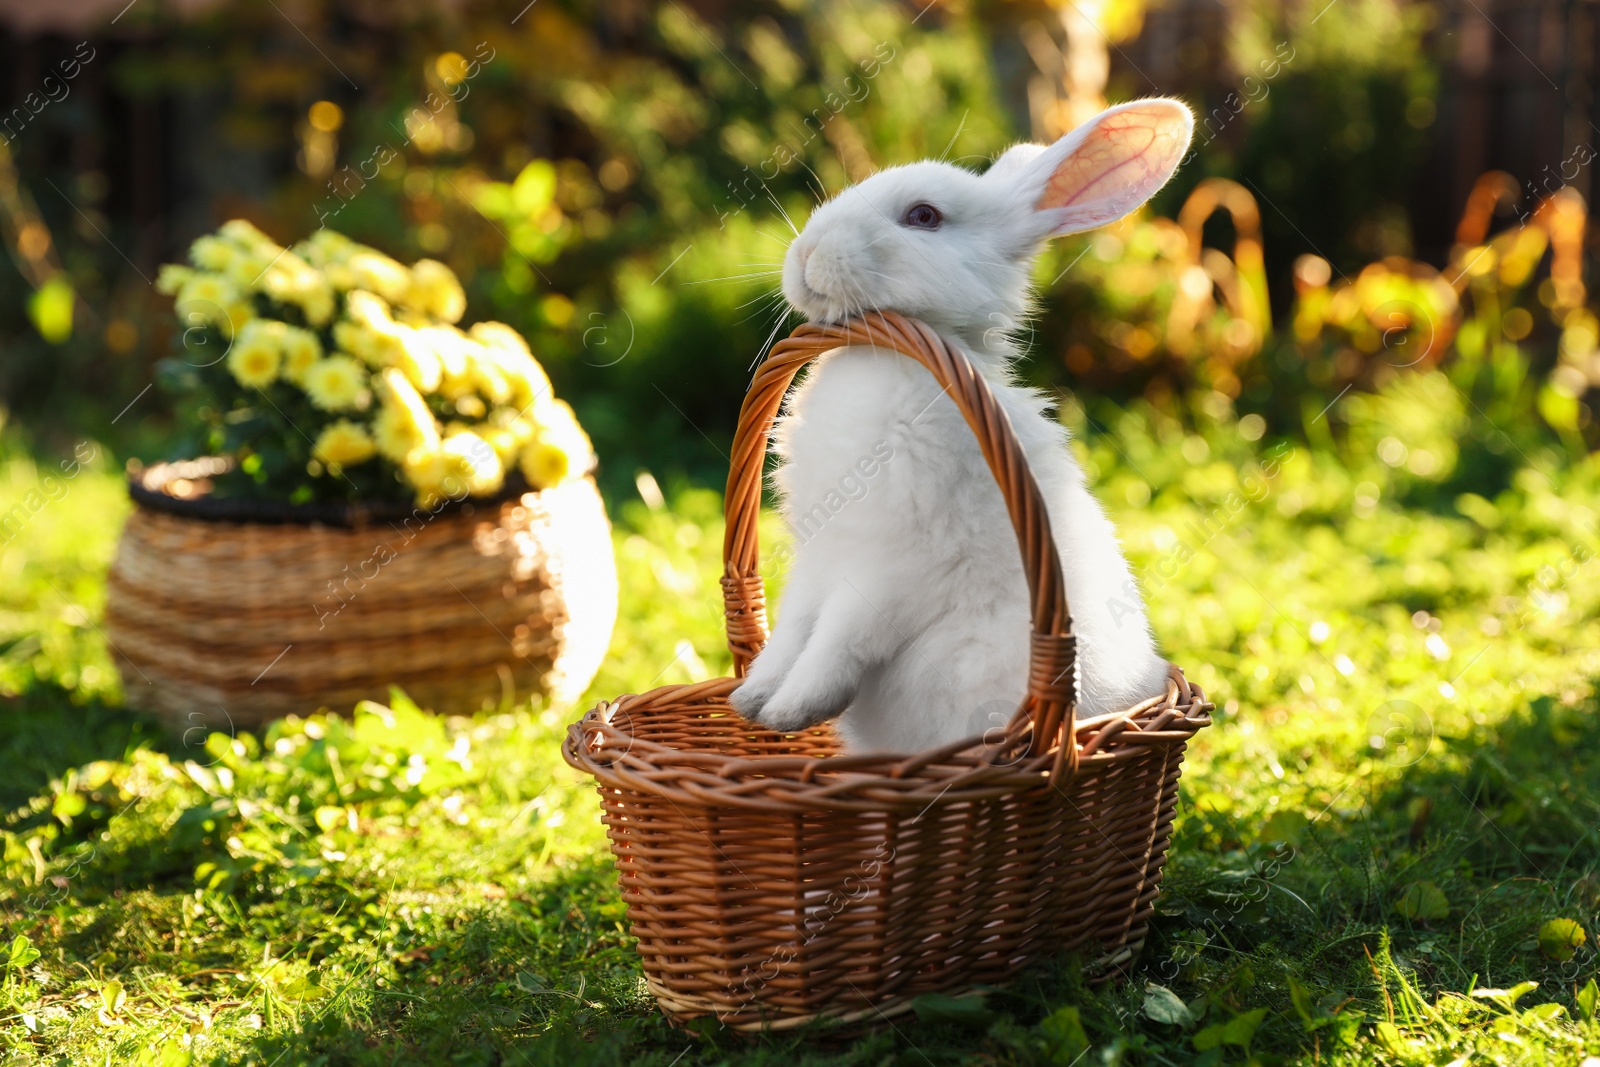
(1013, 161)
(1105, 168)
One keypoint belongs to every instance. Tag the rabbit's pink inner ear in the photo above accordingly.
(1125, 158)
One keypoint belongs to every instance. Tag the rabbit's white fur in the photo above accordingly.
(906, 606)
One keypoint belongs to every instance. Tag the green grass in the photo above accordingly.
(1401, 792)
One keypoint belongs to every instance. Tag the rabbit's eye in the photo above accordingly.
(923, 217)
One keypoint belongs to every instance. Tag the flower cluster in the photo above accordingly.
(345, 375)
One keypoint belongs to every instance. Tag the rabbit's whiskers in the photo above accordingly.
(734, 277)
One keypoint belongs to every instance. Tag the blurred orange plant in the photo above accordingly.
(1160, 294)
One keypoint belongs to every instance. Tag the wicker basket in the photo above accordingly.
(771, 881)
(228, 613)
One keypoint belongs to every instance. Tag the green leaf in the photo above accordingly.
(67, 805)
(1241, 1028)
(50, 308)
(169, 1053)
(1342, 1028)
(1560, 939)
(1558, 406)
(23, 953)
(112, 996)
(401, 703)
(967, 1010)
(534, 188)
(1210, 1037)
(1507, 998)
(1068, 1040)
(1589, 1000)
(1287, 825)
(1164, 1006)
(493, 199)
(330, 818)
(308, 988)
(707, 1027)
(1389, 1036)
(1423, 901)
(1300, 997)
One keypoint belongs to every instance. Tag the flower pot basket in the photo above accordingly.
(771, 881)
(227, 613)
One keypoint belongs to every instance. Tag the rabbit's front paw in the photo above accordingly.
(799, 704)
(752, 695)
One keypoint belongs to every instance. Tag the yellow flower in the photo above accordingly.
(271, 330)
(172, 277)
(555, 418)
(478, 463)
(384, 276)
(394, 433)
(325, 247)
(243, 232)
(235, 316)
(343, 444)
(369, 331)
(436, 290)
(513, 422)
(206, 295)
(559, 449)
(341, 277)
(368, 309)
(254, 358)
(288, 277)
(316, 303)
(434, 474)
(421, 367)
(210, 298)
(247, 271)
(510, 353)
(356, 339)
(300, 350)
(240, 251)
(499, 335)
(337, 383)
(402, 397)
(545, 464)
(416, 357)
(455, 353)
(213, 254)
(503, 441)
(379, 346)
(487, 376)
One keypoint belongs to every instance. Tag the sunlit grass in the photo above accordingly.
(1400, 794)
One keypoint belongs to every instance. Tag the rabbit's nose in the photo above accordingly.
(802, 253)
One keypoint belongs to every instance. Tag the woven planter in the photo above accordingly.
(771, 881)
(229, 613)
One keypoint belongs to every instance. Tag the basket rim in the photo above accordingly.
(972, 769)
(148, 488)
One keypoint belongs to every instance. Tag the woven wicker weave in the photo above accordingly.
(236, 622)
(771, 881)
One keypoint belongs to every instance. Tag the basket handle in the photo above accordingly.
(1050, 700)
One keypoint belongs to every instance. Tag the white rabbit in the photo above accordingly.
(906, 607)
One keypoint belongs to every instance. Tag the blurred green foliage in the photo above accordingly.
(618, 183)
(611, 180)
(1334, 144)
